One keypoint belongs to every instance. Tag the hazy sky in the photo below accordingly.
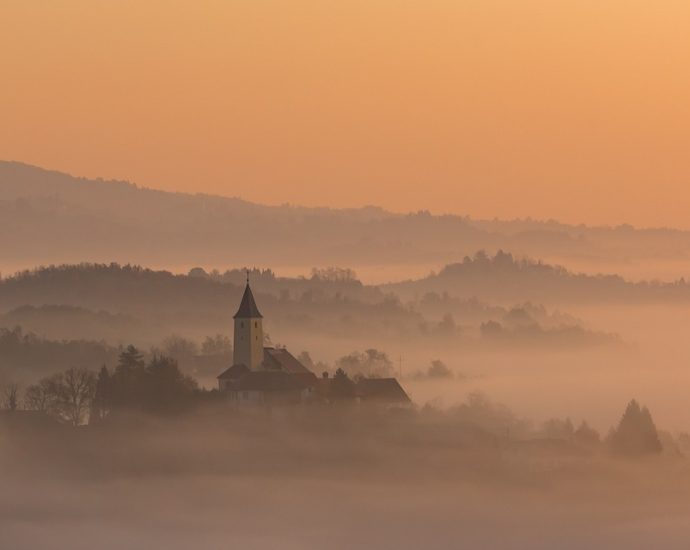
(572, 109)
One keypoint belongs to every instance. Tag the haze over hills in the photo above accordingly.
(505, 279)
(95, 307)
(319, 304)
(50, 217)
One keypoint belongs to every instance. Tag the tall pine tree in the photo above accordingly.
(636, 434)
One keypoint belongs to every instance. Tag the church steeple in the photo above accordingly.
(248, 307)
(249, 332)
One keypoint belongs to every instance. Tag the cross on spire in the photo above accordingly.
(248, 309)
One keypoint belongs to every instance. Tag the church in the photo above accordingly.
(263, 375)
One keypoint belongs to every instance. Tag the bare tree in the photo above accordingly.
(10, 396)
(41, 397)
(75, 391)
(180, 348)
(67, 395)
(217, 345)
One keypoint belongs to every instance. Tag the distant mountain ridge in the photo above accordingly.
(51, 217)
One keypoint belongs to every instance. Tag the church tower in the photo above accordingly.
(249, 333)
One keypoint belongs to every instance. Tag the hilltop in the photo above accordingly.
(131, 303)
(503, 278)
(51, 217)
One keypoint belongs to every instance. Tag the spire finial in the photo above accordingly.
(247, 275)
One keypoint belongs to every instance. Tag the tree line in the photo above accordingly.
(78, 394)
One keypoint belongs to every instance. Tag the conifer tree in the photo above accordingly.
(636, 434)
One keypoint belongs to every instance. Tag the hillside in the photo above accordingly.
(131, 304)
(50, 217)
(504, 279)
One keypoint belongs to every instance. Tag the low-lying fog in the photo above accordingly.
(652, 365)
(322, 478)
(327, 480)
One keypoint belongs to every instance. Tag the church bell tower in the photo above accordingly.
(249, 332)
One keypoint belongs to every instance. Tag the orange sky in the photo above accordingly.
(572, 109)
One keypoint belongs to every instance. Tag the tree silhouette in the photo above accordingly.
(40, 397)
(439, 369)
(586, 435)
(130, 359)
(217, 345)
(636, 434)
(11, 397)
(372, 363)
(67, 395)
(127, 380)
(75, 391)
(166, 388)
(180, 348)
(341, 387)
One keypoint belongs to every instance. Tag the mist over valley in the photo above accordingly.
(536, 391)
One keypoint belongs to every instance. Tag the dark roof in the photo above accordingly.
(306, 379)
(234, 372)
(247, 307)
(269, 381)
(282, 359)
(383, 389)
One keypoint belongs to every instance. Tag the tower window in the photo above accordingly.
(256, 324)
(241, 324)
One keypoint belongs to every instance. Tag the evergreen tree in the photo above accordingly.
(650, 436)
(636, 434)
(586, 435)
(166, 388)
(128, 378)
(130, 360)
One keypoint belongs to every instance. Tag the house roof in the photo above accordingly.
(383, 389)
(282, 359)
(234, 372)
(269, 381)
(276, 361)
(248, 309)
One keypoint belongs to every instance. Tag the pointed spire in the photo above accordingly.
(248, 309)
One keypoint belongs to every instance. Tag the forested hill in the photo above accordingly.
(120, 289)
(505, 279)
(50, 217)
(500, 279)
(125, 304)
(131, 288)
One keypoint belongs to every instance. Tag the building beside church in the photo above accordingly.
(262, 375)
